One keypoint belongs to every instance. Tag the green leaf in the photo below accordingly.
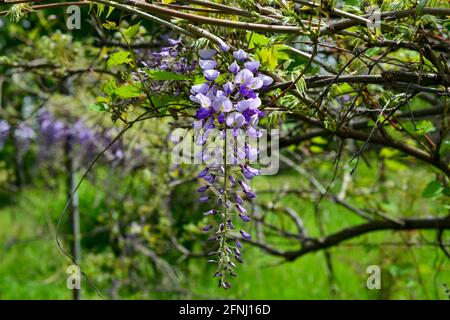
(166, 99)
(18, 11)
(111, 9)
(110, 87)
(446, 191)
(319, 140)
(268, 57)
(373, 51)
(199, 79)
(128, 91)
(132, 31)
(421, 127)
(282, 52)
(296, 61)
(343, 88)
(300, 85)
(165, 75)
(100, 9)
(257, 40)
(445, 148)
(433, 189)
(110, 25)
(102, 100)
(119, 58)
(395, 165)
(352, 2)
(97, 107)
(316, 149)
(388, 153)
(420, 6)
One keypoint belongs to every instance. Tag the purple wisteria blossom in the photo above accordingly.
(170, 58)
(23, 135)
(4, 132)
(85, 142)
(229, 109)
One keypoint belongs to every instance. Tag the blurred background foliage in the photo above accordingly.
(140, 219)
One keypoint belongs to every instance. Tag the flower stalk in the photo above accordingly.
(225, 129)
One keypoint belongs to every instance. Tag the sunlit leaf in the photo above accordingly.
(97, 107)
(128, 91)
(433, 189)
(110, 25)
(165, 75)
(132, 31)
(111, 9)
(119, 58)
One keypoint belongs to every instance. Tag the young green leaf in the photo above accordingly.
(97, 107)
(110, 10)
(119, 58)
(100, 9)
(110, 25)
(164, 75)
(433, 189)
(132, 31)
(127, 92)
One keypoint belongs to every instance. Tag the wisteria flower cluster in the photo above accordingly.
(86, 142)
(51, 134)
(4, 132)
(171, 58)
(229, 111)
(23, 135)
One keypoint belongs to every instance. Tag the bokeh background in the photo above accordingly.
(140, 221)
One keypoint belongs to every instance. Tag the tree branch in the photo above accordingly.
(356, 231)
(313, 244)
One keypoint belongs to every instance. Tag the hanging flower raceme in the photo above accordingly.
(226, 130)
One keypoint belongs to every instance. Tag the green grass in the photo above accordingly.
(306, 278)
(32, 267)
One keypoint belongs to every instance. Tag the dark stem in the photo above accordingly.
(74, 210)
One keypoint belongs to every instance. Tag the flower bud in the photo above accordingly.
(244, 217)
(203, 188)
(207, 228)
(245, 235)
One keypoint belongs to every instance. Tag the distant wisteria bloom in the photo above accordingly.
(23, 135)
(4, 132)
(85, 141)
